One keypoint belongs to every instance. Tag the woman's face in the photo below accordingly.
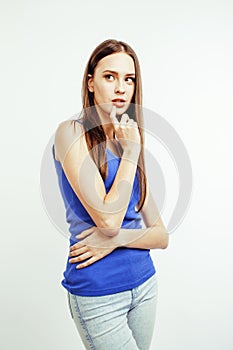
(113, 83)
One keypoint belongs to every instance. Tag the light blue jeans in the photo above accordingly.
(121, 321)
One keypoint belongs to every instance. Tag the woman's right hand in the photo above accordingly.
(126, 131)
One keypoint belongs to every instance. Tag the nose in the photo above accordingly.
(119, 88)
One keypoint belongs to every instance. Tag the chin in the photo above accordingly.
(120, 111)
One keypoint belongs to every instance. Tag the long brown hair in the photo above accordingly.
(94, 132)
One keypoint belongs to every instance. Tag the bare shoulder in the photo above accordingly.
(68, 128)
(67, 133)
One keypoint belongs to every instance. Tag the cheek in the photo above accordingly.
(131, 91)
(102, 92)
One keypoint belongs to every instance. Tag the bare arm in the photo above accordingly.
(155, 235)
(95, 245)
(152, 237)
(106, 209)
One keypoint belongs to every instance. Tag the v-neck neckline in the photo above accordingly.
(108, 149)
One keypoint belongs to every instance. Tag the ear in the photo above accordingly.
(90, 83)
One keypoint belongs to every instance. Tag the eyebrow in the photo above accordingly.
(112, 71)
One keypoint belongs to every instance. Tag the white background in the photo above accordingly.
(185, 51)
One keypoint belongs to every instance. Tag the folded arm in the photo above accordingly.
(152, 237)
(107, 210)
(155, 234)
(94, 245)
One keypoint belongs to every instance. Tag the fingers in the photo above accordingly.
(77, 251)
(85, 233)
(77, 245)
(81, 257)
(131, 122)
(90, 255)
(94, 258)
(87, 263)
(127, 121)
(124, 119)
(113, 116)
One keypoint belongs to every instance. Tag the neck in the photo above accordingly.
(109, 131)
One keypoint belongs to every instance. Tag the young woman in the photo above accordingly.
(99, 158)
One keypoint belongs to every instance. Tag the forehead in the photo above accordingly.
(120, 62)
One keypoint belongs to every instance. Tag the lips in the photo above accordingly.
(118, 102)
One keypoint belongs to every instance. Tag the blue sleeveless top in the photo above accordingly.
(124, 268)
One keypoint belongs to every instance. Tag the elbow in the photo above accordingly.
(110, 232)
(109, 228)
(165, 240)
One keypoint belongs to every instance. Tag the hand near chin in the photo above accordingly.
(126, 130)
(93, 246)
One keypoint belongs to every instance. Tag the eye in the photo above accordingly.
(130, 80)
(109, 76)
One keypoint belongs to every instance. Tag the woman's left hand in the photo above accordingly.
(93, 247)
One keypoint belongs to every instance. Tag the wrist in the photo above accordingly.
(132, 152)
